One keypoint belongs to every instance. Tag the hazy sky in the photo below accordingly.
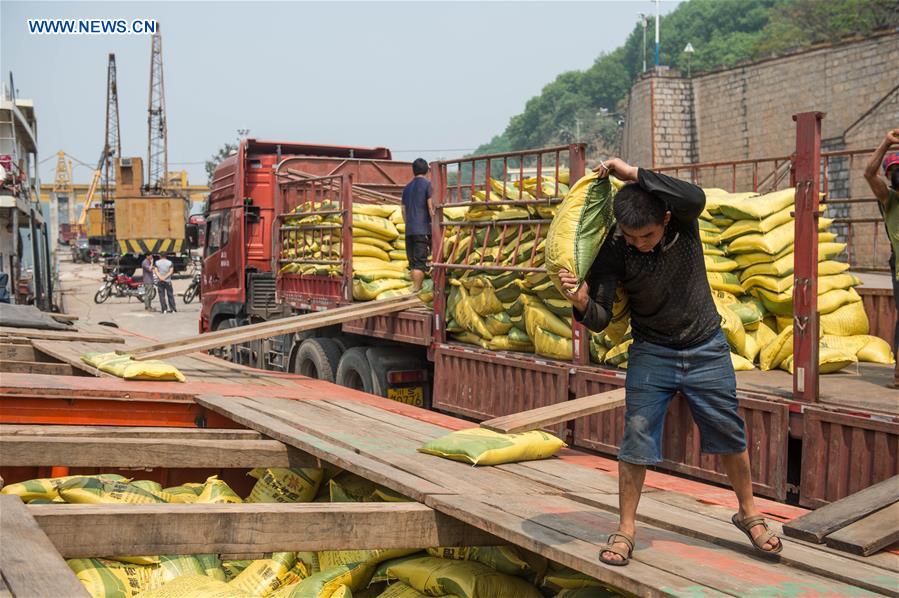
(434, 79)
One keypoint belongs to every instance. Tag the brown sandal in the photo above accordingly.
(609, 546)
(745, 525)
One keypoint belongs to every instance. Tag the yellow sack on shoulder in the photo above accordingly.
(579, 228)
(480, 446)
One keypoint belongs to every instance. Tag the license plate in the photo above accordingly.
(411, 395)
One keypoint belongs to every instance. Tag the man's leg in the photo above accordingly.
(740, 477)
(170, 290)
(710, 388)
(418, 278)
(160, 290)
(148, 305)
(630, 485)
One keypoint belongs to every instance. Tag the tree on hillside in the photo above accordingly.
(217, 157)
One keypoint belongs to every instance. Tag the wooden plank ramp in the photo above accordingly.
(560, 510)
(867, 536)
(542, 417)
(271, 328)
(828, 519)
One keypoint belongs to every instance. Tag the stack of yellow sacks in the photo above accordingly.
(473, 572)
(380, 267)
(507, 311)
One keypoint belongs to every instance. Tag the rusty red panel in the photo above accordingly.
(881, 309)
(309, 292)
(842, 454)
(413, 326)
(483, 384)
(766, 435)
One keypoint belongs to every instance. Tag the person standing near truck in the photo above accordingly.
(417, 210)
(655, 253)
(164, 270)
(147, 267)
(887, 195)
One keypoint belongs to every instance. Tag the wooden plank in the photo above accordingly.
(35, 367)
(9, 352)
(59, 335)
(409, 485)
(129, 432)
(120, 530)
(33, 567)
(542, 417)
(866, 536)
(888, 562)
(637, 578)
(69, 353)
(695, 525)
(67, 317)
(20, 451)
(702, 562)
(272, 328)
(822, 522)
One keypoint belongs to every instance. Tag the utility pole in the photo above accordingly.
(112, 145)
(658, 18)
(644, 21)
(157, 145)
(62, 186)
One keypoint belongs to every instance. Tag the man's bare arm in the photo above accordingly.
(878, 186)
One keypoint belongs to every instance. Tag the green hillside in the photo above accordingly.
(583, 104)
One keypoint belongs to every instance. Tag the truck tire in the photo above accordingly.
(354, 371)
(384, 360)
(227, 352)
(317, 358)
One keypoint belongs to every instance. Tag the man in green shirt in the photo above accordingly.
(888, 201)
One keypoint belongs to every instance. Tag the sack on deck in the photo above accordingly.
(479, 446)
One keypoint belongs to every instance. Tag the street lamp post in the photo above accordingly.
(645, 22)
(688, 49)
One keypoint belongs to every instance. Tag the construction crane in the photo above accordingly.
(157, 143)
(104, 175)
(62, 185)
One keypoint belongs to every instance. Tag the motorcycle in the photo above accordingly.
(121, 285)
(193, 291)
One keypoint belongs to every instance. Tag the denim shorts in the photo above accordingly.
(705, 377)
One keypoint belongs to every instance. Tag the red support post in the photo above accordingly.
(438, 275)
(346, 195)
(806, 173)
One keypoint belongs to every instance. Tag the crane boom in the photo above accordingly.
(157, 145)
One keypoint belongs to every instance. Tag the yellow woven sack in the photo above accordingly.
(217, 491)
(365, 250)
(537, 315)
(262, 577)
(278, 484)
(367, 264)
(397, 255)
(508, 343)
(775, 241)
(401, 590)
(829, 361)
(379, 210)
(102, 578)
(498, 324)
(744, 227)
(777, 350)
(125, 367)
(505, 559)
(714, 263)
(95, 490)
(836, 281)
(482, 297)
(212, 566)
(875, 350)
(195, 586)
(376, 224)
(725, 281)
(479, 446)
(740, 363)
(559, 577)
(373, 275)
(330, 559)
(46, 489)
(379, 243)
(759, 207)
(763, 335)
(325, 584)
(368, 291)
(469, 318)
(406, 290)
(465, 579)
(549, 344)
(848, 320)
(618, 354)
(579, 228)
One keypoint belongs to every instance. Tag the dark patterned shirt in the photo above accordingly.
(670, 298)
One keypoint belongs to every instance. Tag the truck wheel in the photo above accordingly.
(227, 352)
(317, 358)
(354, 371)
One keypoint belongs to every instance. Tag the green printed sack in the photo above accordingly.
(480, 446)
